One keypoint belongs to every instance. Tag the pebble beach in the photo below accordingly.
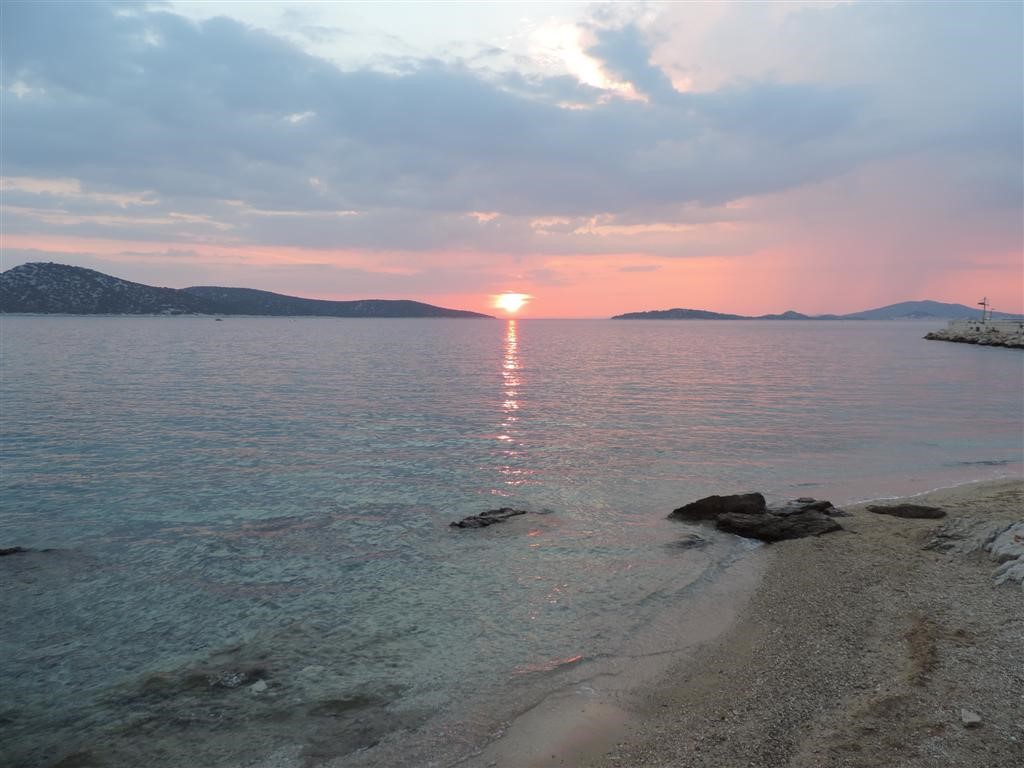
(888, 643)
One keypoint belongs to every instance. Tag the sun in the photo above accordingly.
(511, 302)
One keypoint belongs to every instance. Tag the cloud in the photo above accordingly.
(208, 111)
(759, 127)
(627, 56)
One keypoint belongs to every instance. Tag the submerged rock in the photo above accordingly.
(490, 517)
(229, 679)
(773, 527)
(689, 541)
(12, 551)
(915, 511)
(710, 507)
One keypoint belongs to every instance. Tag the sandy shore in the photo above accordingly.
(858, 648)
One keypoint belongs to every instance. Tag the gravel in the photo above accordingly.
(859, 648)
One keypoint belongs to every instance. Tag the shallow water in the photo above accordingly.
(267, 500)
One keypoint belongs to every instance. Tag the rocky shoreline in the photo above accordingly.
(896, 641)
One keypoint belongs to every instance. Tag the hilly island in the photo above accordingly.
(50, 288)
(905, 310)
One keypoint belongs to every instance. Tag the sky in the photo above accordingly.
(598, 157)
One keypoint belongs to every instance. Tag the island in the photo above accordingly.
(50, 288)
(904, 310)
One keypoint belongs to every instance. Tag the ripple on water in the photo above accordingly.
(270, 504)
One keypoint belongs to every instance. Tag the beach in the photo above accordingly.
(857, 648)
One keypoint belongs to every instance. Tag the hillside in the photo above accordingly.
(906, 310)
(678, 314)
(248, 301)
(921, 310)
(57, 288)
(49, 288)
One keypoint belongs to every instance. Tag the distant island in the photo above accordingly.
(905, 310)
(49, 288)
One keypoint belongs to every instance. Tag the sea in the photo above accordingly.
(240, 550)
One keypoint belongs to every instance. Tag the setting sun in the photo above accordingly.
(511, 302)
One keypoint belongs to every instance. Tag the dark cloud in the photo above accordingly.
(627, 56)
(219, 110)
(131, 99)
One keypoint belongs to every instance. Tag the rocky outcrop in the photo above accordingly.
(1007, 549)
(1002, 542)
(966, 535)
(490, 517)
(915, 511)
(710, 507)
(748, 515)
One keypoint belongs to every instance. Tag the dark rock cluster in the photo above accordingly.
(490, 517)
(748, 515)
(710, 507)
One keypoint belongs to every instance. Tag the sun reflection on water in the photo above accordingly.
(508, 433)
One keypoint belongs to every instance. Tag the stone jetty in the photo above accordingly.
(987, 333)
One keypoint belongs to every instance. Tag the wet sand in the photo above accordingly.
(582, 722)
(858, 648)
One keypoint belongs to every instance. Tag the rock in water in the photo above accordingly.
(12, 551)
(710, 507)
(746, 514)
(916, 511)
(490, 517)
(768, 527)
(689, 541)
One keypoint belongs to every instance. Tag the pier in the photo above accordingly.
(988, 332)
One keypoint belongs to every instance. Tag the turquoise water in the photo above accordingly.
(268, 500)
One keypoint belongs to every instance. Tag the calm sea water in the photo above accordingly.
(268, 500)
